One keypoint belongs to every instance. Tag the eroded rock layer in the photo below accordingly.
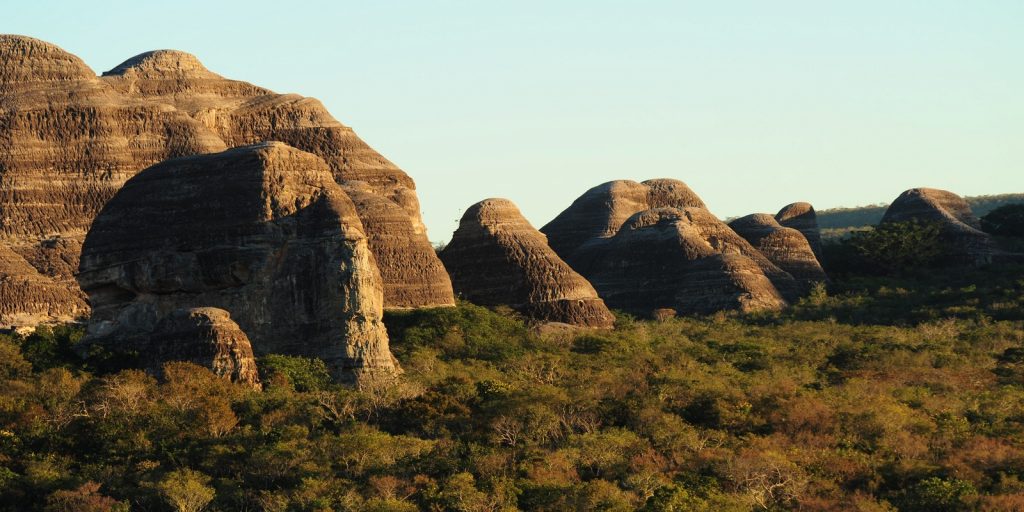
(802, 217)
(207, 337)
(961, 232)
(263, 232)
(70, 139)
(601, 211)
(785, 247)
(29, 298)
(686, 260)
(496, 257)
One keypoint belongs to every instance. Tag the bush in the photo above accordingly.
(1005, 221)
(899, 246)
(304, 373)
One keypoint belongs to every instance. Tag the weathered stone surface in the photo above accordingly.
(207, 337)
(28, 298)
(70, 139)
(600, 211)
(785, 247)
(686, 260)
(961, 229)
(413, 275)
(802, 217)
(263, 232)
(496, 258)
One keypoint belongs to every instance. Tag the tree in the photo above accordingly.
(900, 246)
(186, 490)
(1005, 221)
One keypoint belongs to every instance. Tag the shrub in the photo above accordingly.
(1005, 221)
(304, 373)
(899, 246)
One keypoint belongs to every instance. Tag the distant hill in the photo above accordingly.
(836, 222)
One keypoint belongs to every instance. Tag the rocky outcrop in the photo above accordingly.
(960, 228)
(785, 247)
(802, 217)
(602, 210)
(28, 298)
(263, 232)
(686, 260)
(70, 139)
(207, 337)
(413, 276)
(496, 258)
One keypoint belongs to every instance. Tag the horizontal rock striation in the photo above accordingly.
(960, 228)
(601, 211)
(69, 140)
(802, 217)
(207, 337)
(30, 298)
(785, 247)
(263, 232)
(686, 260)
(496, 258)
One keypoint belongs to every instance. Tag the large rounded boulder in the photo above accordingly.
(785, 247)
(960, 230)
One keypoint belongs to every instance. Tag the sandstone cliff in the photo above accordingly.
(803, 218)
(263, 232)
(29, 298)
(960, 228)
(207, 337)
(70, 139)
(496, 257)
(785, 247)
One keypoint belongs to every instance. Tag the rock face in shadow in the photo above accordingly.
(785, 247)
(602, 210)
(802, 217)
(263, 232)
(207, 337)
(960, 228)
(496, 258)
(69, 140)
(29, 298)
(686, 260)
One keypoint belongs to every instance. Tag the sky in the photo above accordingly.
(754, 104)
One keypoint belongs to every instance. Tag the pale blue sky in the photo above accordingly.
(755, 104)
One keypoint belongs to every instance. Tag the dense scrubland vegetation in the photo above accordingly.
(898, 387)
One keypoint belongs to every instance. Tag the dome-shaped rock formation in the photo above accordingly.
(263, 232)
(785, 247)
(961, 234)
(71, 139)
(686, 260)
(496, 257)
(207, 337)
(600, 211)
(802, 217)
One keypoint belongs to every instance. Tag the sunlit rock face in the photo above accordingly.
(262, 232)
(207, 337)
(785, 247)
(802, 217)
(497, 258)
(69, 140)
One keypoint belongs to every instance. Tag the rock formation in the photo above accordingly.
(785, 247)
(29, 298)
(263, 232)
(401, 251)
(207, 337)
(600, 211)
(803, 218)
(960, 228)
(496, 257)
(70, 139)
(686, 260)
